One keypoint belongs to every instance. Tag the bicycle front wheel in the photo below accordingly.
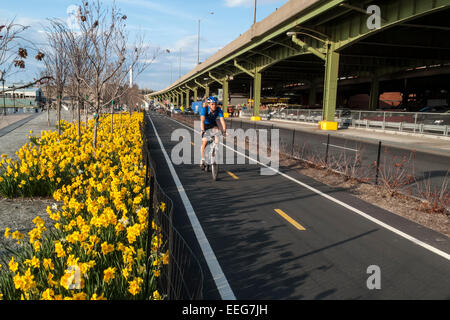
(214, 171)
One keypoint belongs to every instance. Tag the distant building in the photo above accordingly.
(32, 96)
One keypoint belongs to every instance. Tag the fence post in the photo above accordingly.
(293, 140)
(378, 162)
(326, 153)
(415, 122)
(171, 253)
(149, 220)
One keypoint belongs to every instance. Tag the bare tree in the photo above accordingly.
(110, 55)
(56, 61)
(12, 51)
(77, 46)
(104, 29)
(11, 54)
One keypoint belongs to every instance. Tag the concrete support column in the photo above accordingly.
(225, 98)
(374, 94)
(330, 89)
(207, 91)
(187, 99)
(195, 94)
(257, 95)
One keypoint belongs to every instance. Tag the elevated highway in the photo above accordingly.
(324, 45)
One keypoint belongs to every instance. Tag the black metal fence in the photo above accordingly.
(350, 157)
(183, 277)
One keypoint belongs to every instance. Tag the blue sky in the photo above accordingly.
(171, 24)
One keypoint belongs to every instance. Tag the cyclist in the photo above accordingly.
(212, 120)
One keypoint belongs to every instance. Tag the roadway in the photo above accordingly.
(425, 158)
(289, 237)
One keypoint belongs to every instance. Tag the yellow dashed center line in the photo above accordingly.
(290, 220)
(233, 175)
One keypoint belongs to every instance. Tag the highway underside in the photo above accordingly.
(249, 221)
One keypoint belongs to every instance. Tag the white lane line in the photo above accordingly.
(357, 211)
(219, 277)
(332, 145)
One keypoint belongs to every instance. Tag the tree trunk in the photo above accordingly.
(112, 120)
(79, 121)
(48, 113)
(97, 108)
(73, 109)
(86, 106)
(59, 114)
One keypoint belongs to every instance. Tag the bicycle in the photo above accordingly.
(211, 162)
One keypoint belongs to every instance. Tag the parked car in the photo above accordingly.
(344, 113)
(188, 111)
(437, 109)
(176, 110)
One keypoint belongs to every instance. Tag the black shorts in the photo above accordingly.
(210, 126)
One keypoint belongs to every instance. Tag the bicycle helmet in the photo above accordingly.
(212, 99)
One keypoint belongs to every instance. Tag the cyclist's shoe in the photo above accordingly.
(202, 164)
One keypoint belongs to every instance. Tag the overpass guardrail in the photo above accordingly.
(413, 122)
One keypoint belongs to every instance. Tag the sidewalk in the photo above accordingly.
(16, 135)
(423, 143)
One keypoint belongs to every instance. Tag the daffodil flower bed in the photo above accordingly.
(97, 246)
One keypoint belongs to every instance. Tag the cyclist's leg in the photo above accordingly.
(218, 127)
(204, 143)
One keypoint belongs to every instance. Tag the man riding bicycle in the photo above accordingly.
(212, 120)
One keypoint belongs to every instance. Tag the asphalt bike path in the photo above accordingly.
(282, 237)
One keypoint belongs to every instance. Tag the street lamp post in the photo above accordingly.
(254, 13)
(198, 40)
(198, 43)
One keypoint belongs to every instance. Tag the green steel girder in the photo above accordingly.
(200, 85)
(243, 69)
(263, 54)
(348, 31)
(279, 31)
(219, 80)
(343, 26)
(306, 47)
